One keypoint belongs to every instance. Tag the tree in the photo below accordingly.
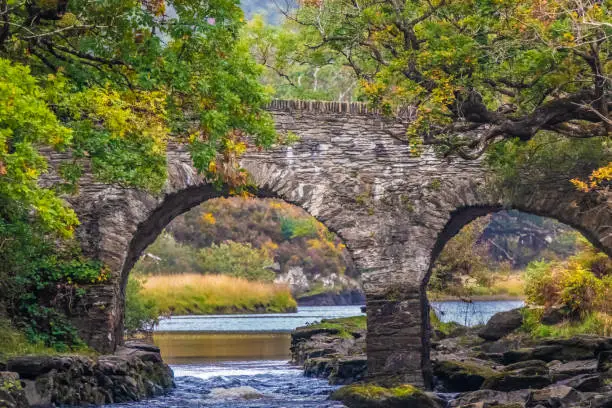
(108, 82)
(292, 72)
(476, 72)
(237, 260)
(126, 75)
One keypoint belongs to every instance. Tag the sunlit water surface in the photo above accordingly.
(241, 361)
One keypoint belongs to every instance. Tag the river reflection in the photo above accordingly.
(190, 348)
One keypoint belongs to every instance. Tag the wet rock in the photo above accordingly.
(562, 371)
(526, 378)
(462, 376)
(491, 398)
(348, 370)
(130, 375)
(571, 349)
(502, 324)
(139, 345)
(544, 353)
(580, 347)
(534, 366)
(458, 344)
(599, 400)
(30, 367)
(307, 332)
(584, 382)
(373, 396)
(326, 353)
(556, 396)
(500, 346)
(318, 367)
(241, 393)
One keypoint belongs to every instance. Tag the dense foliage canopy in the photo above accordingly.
(109, 83)
(474, 71)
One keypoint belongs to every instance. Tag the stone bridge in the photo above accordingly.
(394, 211)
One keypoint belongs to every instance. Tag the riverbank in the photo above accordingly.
(498, 365)
(480, 298)
(135, 372)
(193, 294)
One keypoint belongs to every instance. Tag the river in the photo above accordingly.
(241, 361)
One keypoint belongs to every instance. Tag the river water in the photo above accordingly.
(241, 361)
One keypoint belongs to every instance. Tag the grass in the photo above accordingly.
(445, 328)
(504, 286)
(512, 286)
(595, 323)
(14, 343)
(345, 326)
(211, 294)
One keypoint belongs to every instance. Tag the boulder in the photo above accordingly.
(584, 382)
(139, 345)
(583, 347)
(236, 393)
(374, 396)
(318, 367)
(554, 315)
(502, 324)
(462, 376)
(604, 361)
(538, 367)
(490, 398)
(526, 378)
(348, 370)
(548, 353)
(31, 367)
(544, 353)
(129, 375)
(557, 396)
(599, 400)
(562, 371)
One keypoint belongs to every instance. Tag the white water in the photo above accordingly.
(208, 376)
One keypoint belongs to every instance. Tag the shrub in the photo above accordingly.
(167, 256)
(541, 287)
(141, 313)
(582, 284)
(580, 290)
(237, 260)
(299, 227)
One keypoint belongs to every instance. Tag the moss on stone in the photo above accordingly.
(512, 381)
(9, 386)
(344, 327)
(376, 396)
(461, 376)
(446, 329)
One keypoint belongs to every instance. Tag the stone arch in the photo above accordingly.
(119, 224)
(407, 315)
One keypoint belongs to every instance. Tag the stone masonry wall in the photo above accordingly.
(394, 211)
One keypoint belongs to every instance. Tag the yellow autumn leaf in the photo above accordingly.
(209, 218)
